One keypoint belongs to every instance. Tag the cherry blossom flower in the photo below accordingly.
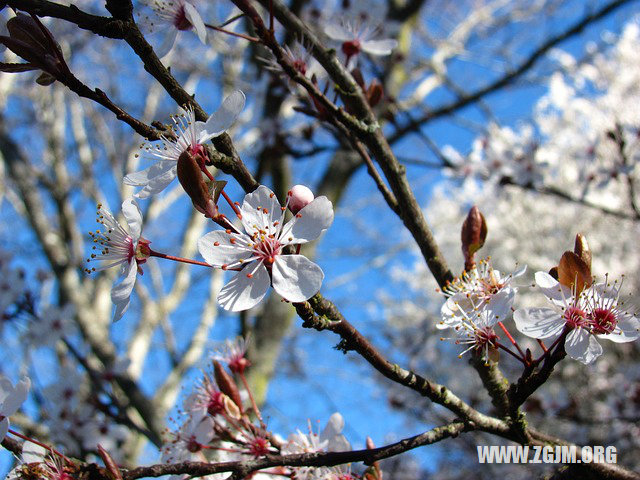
(11, 397)
(607, 317)
(330, 440)
(595, 312)
(297, 56)
(259, 256)
(480, 286)
(191, 136)
(188, 442)
(234, 354)
(474, 326)
(356, 38)
(53, 324)
(120, 247)
(169, 18)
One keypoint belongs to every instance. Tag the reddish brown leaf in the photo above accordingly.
(573, 272)
(582, 249)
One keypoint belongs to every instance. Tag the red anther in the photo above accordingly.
(216, 244)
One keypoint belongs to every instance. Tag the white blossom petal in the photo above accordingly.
(33, 453)
(224, 117)
(334, 427)
(259, 210)
(196, 20)
(296, 278)
(138, 179)
(309, 222)
(539, 322)
(204, 432)
(379, 47)
(332, 434)
(552, 289)
(16, 398)
(242, 292)
(133, 215)
(500, 303)
(154, 179)
(223, 254)
(168, 40)
(335, 31)
(581, 345)
(121, 293)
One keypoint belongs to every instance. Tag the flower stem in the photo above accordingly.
(511, 339)
(510, 352)
(153, 253)
(233, 34)
(231, 204)
(553, 345)
(253, 402)
(541, 343)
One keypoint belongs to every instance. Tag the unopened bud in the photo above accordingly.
(581, 249)
(373, 472)
(374, 93)
(112, 467)
(226, 384)
(356, 73)
(29, 39)
(299, 197)
(190, 177)
(473, 235)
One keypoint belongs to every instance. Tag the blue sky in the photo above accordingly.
(329, 383)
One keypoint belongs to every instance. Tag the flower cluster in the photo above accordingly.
(268, 254)
(477, 301)
(218, 423)
(75, 420)
(188, 135)
(595, 312)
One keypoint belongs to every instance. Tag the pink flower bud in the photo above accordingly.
(299, 197)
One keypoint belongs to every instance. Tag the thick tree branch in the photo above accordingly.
(199, 469)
